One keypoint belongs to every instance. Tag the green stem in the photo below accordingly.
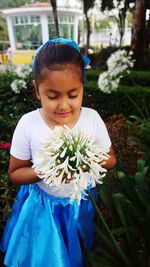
(133, 102)
(115, 244)
(145, 107)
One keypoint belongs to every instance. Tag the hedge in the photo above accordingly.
(126, 100)
(133, 78)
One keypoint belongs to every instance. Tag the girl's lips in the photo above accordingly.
(63, 114)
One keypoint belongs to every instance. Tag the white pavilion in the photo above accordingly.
(31, 25)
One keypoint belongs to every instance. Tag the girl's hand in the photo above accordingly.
(111, 162)
(67, 181)
(21, 171)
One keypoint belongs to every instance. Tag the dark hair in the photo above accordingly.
(53, 56)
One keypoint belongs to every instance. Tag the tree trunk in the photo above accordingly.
(88, 32)
(87, 4)
(122, 18)
(138, 35)
(54, 7)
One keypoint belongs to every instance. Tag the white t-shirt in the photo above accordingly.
(32, 129)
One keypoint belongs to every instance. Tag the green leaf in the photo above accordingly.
(124, 261)
(130, 192)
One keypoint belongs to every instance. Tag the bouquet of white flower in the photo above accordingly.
(66, 155)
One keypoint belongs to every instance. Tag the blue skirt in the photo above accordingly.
(46, 231)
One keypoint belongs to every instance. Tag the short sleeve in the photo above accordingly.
(102, 136)
(20, 147)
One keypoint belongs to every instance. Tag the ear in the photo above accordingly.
(36, 89)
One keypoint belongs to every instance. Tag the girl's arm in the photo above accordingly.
(111, 162)
(20, 171)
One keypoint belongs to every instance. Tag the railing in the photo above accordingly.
(18, 57)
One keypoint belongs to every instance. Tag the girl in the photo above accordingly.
(45, 230)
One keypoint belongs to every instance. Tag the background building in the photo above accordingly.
(31, 25)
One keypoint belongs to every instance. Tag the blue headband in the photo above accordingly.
(72, 43)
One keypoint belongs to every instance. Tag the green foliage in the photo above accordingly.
(126, 241)
(3, 30)
(98, 60)
(12, 107)
(107, 5)
(142, 136)
(7, 190)
(133, 78)
(17, 3)
(133, 94)
(102, 24)
(14, 3)
(87, 4)
(117, 102)
(16, 104)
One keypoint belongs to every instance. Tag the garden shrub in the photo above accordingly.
(133, 78)
(125, 229)
(117, 102)
(7, 190)
(12, 105)
(99, 59)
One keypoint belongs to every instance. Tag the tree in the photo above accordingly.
(87, 4)
(122, 12)
(138, 35)
(3, 30)
(14, 3)
(54, 7)
(122, 8)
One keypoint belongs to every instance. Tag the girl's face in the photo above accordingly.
(61, 95)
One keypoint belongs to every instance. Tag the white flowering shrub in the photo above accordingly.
(18, 84)
(108, 82)
(66, 155)
(23, 71)
(117, 63)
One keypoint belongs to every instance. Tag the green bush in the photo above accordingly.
(142, 135)
(133, 78)
(7, 190)
(98, 60)
(12, 105)
(117, 102)
(125, 240)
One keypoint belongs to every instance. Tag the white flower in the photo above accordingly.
(17, 85)
(120, 59)
(108, 82)
(23, 71)
(117, 63)
(68, 154)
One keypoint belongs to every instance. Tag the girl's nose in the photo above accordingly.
(63, 104)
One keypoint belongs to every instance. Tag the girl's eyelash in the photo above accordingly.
(54, 97)
(51, 97)
(72, 96)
